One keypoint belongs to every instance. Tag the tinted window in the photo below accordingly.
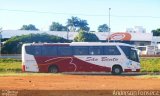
(95, 50)
(80, 50)
(64, 51)
(49, 50)
(131, 54)
(111, 50)
(33, 50)
(126, 50)
(134, 55)
(37, 50)
(29, 50)
(142, 48)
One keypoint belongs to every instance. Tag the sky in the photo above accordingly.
(123, 14)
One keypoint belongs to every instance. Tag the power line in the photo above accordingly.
(100, 15)
(46, 12)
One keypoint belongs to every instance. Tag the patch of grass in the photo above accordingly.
(150, 64)
(10, 65)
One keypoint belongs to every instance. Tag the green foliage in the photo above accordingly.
(55, 26)
(82, 24)
(86, 37)
(150, 65)
(0, 30)
(77, 24)
(29, 27)
(103, 28)
(156, 32)
(72, 23)
(13, 45)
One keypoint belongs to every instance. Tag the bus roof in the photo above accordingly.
(98, 43)
(81, 43)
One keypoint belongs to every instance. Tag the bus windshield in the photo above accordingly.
(130, 53)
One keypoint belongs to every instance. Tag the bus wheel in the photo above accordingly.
(116, 70)
(53, 69)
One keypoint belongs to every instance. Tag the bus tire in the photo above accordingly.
(116, 70)
(53, 69)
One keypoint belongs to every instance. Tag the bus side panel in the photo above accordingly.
(69, 64)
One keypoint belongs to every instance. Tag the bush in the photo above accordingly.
(86, 37)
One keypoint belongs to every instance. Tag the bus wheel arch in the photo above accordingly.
(53, 69)
(117, 69)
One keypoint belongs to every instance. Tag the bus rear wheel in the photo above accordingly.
(116, 70)
(53, 69)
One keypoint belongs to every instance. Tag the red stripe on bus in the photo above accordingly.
(70, 64)
(23, 68)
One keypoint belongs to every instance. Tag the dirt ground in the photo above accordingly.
(71, 83)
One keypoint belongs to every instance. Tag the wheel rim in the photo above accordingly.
(53, 70)
(117, 70)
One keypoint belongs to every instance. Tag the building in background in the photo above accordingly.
(136, 29)
(138, 39)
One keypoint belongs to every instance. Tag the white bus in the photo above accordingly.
(80, 57)
(148, 50)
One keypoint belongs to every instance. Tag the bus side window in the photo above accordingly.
(111, 50)
(65, 51)
(80, 50)
(33, 50)
(49, 50)
(95, 50)
(29, 50)
(37, 50)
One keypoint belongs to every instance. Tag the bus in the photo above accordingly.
(148, 50)
(80, 57)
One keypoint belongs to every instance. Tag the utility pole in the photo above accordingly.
(67, 34)
(109, 24)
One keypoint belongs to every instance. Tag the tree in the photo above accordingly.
(29, 27)
(76, 24)
(0, 34)
(156, 32)
(55, 26)
(72, 23)
(103, 28)
(83, 25)
(14, 44)
(86, 37)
